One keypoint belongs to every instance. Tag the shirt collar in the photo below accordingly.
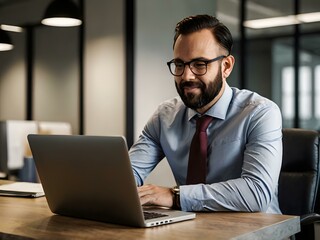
(219, 109)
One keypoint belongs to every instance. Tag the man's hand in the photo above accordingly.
(155, 195)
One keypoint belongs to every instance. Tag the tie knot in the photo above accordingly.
(203, 123)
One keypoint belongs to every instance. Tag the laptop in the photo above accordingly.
(91, 177)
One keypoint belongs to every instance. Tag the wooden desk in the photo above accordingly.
(31, 218)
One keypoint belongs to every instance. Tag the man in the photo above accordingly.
(243, 140)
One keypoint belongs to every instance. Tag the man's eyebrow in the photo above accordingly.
(192, 60)
(178, 59)
(199, 59)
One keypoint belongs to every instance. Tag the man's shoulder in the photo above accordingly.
(174, 104)
(171, 110)
(245, 98)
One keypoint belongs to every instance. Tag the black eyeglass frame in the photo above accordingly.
(194, 60)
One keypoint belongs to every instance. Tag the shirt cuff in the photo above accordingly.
(190, 197)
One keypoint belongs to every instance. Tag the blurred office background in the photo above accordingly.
(108, 75)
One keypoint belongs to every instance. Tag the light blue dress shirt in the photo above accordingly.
(244, 153)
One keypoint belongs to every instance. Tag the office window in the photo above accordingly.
(305, 94)
(287, 92)
(317, 91)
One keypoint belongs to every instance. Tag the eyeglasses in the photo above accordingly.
(197, 67)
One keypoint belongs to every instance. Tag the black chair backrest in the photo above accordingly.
(299, 177)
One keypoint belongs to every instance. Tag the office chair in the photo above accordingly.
(299, 179)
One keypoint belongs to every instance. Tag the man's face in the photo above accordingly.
(199, 92)
(208, 92)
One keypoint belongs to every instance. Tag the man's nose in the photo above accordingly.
(187, 73)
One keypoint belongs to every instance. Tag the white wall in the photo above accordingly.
(12, 86)
(156, 21)
(56, 75)
(105, 68)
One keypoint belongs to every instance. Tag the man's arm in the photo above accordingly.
(146, 153)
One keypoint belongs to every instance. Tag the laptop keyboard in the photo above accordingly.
(151, 215)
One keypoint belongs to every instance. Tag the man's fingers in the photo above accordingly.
(155, 195)
(144, 190)
(146, 193)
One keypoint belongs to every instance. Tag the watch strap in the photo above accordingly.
(176, 198)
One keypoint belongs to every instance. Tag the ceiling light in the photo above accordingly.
(309, 17)
(5, 41)
(283, 21)
(62, 13)
(11, 28)
(271, 22)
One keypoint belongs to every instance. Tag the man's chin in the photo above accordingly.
(192, 102)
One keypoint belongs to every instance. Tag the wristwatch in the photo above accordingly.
(176, 197)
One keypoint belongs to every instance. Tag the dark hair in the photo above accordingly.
(198, 22)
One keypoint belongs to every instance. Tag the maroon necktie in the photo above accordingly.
(197, 167)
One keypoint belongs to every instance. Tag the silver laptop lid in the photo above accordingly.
(88, 177)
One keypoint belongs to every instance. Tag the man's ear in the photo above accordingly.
(227, 66)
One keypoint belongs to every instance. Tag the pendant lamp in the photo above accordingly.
(62, 13)
(5, 41)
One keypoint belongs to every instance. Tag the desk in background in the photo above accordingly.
(15, 153)
(32, 218)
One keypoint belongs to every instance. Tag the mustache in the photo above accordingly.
(184, 84)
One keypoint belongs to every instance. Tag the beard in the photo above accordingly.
(208, 92)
